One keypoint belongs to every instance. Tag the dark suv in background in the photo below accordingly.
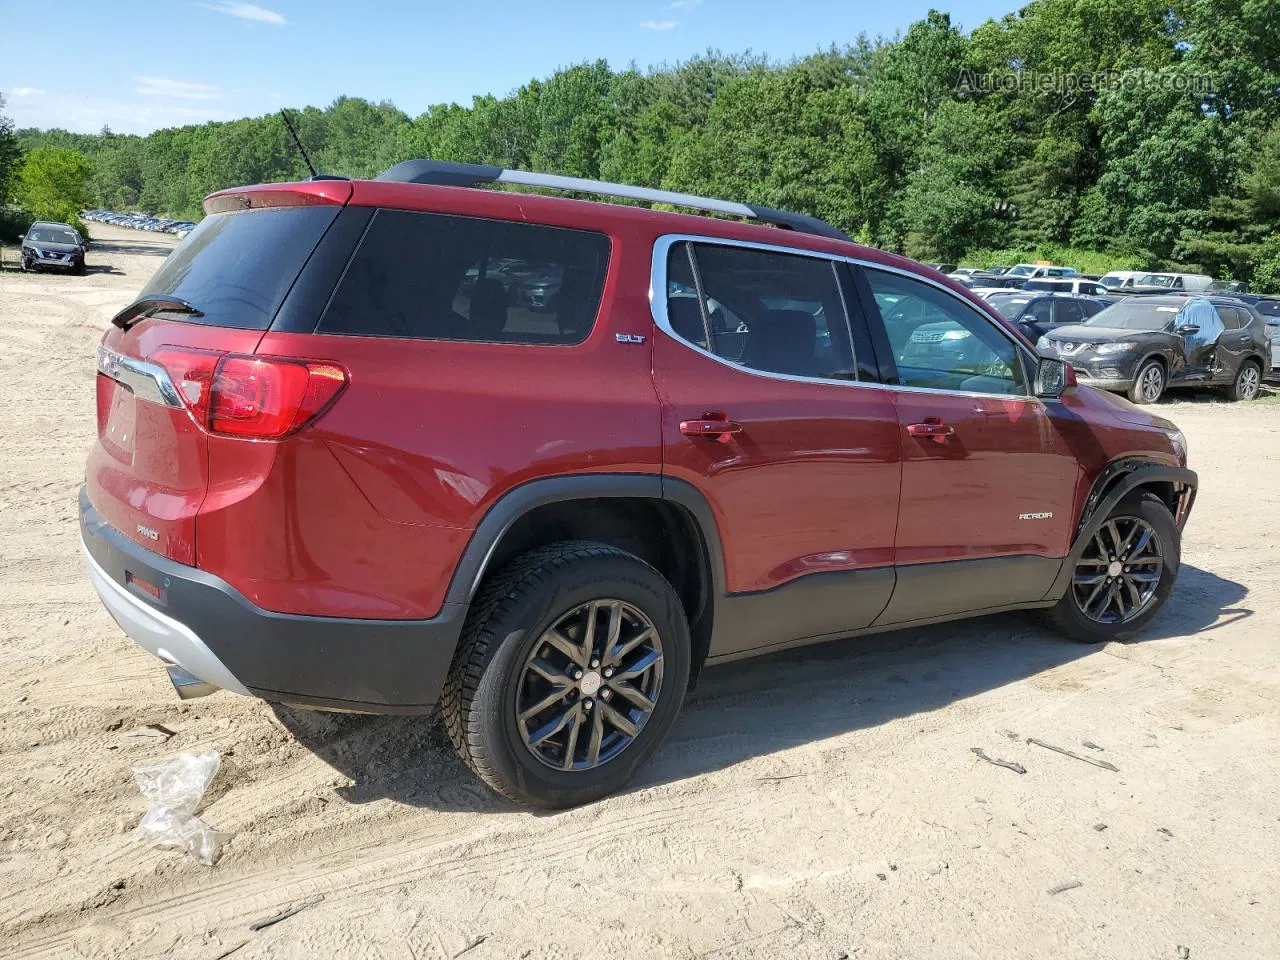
(1144, 345)
(53, 246)
(403, 445)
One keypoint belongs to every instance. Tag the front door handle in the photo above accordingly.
(716, 430)
(932, 429)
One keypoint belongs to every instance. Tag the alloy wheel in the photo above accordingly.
(1247, 385)
(589, 685)
(1152, 384)
(1116, 577)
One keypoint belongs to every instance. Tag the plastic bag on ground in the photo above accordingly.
(173, 789)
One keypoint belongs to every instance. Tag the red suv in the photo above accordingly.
(403, 445)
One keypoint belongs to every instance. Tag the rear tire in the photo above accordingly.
(505, 665)
(1149, 383)
(1248, 382)
(1086, 617)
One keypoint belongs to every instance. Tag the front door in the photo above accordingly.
(988, 483)
(763, 413)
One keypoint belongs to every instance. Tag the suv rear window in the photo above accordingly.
(430, 276)
(237, 267)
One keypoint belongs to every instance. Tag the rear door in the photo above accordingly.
(803, 481)
(1234, 343)
(988, 482)
(148, 472)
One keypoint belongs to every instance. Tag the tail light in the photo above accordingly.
(261, 398)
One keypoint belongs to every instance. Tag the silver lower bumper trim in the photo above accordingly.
(173, 642)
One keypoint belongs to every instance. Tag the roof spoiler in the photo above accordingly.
(447, 174)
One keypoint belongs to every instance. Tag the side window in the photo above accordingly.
(773, 312)
(1040, 311)
(428, 276)
(1090, 307)
(1230, 320)
(1067, 311)
(941, 343)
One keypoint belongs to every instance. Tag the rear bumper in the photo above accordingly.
(206, 627)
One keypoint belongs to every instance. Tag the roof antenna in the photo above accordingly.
(298, 143)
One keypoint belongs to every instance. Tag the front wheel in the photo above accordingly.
(571, 669)
(1248, 382)
(1148, 385)
(1124, 574)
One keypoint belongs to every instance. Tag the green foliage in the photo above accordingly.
(1162, 149)
(53, 184)
(1085, 260)
(10, 155)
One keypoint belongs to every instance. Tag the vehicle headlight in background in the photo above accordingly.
(1104, 349)
(956, 335)
(1044, 343)
(1179, 441)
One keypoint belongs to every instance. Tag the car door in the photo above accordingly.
(803, 478)
(1198, 325)
(988, 480)
(1234, 343)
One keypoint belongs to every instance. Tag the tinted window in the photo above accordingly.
(1009, 307)
(939, 342)
(683, 309)
(237, 267)
(1268, 308)
(775, 312)
(1231, 319)
(428, 276)
(1040, 311)
(1090, 307)
(1067, 311)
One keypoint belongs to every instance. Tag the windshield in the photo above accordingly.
(52, 235)
(1157, 280)
(1022, 270)
(1134, 316)
(1009, 307)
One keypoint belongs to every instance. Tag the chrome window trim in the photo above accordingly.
(658, 309)
(145, 380)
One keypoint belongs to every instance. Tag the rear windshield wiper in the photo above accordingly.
(147, 306)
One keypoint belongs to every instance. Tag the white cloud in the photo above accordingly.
(26, 91)
(685, 4)
(246, 11)
(175, 89)
(88, 114)
(660, 25)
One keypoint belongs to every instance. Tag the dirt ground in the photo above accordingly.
(819, 804)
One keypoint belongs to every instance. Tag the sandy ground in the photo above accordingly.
(820, 804)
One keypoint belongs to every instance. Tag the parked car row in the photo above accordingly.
(139, 221)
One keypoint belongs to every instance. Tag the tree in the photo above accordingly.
(53, 184)
(10, 155)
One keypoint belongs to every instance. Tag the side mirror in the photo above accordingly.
(1053, 377)
(1188, 328)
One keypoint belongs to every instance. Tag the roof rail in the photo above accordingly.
(445, 173)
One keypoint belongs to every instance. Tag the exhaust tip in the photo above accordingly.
(186, 686)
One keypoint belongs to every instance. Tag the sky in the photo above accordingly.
(139, 65)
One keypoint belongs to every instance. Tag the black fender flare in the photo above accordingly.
(1112, 485)
(520, 500)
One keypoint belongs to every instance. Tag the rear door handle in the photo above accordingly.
(932, 429)
(717, 430)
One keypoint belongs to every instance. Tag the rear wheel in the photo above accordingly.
(1148, 385)
(1124, 575)
(571, 669)
(1248, 382)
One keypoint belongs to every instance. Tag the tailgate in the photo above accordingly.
(148, 472)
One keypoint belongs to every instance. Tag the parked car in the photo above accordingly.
(1228, 286)
(336, 467)
(1122, 280)
(1172, 282)
(1089, 288)
(53, 246)
(1034, 271)
(1144, 345)
(1037, 314)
